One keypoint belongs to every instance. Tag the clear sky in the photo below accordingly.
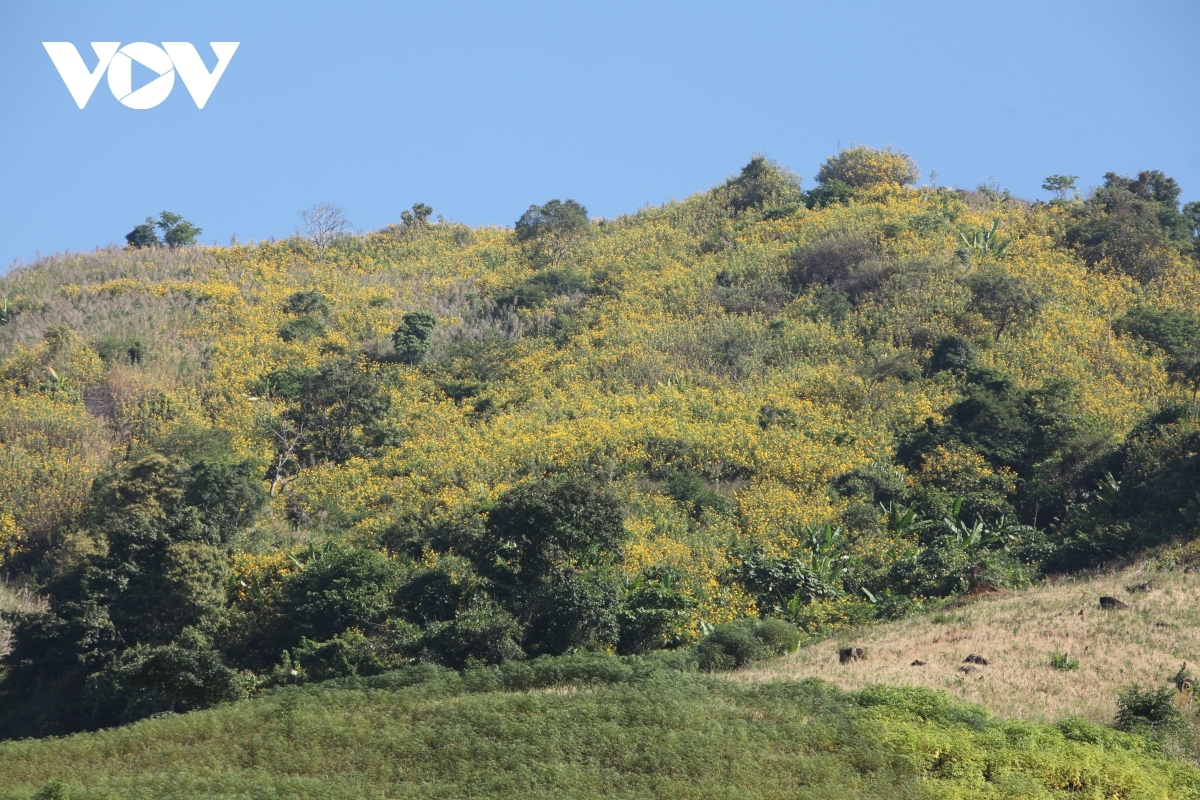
(481, 109)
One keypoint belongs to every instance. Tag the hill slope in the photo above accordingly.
(659, 735)
(1018, 633)
(229, 468)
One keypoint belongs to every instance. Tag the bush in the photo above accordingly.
(482, 633)
(652, 612)
(342, 589)
(736, 644)
(730, 646)
(345, 655)
(143, 235)
(411, 339)
(860, 167)
(761, 184)
(1002, 299)
(301, 329)
(847, 263)
(780, 637)
(1132, 225)
(1151, 711)
(544, 285)
(1064, 662)
(1176, 332)
(185, 678)
(775, 583)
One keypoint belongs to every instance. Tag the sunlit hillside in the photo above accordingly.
(1052, 652)
(342, 454)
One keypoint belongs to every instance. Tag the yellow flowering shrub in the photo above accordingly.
(651, 369)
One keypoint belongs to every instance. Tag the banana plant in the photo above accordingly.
(980, 536)
(313, 554)
(825, 565)
(1107, 489)
(902, 521)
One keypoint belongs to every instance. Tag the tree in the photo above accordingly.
(182, 678)
(342, 589)
(862, 166)
(312, 302)
(550, 552)
(227, 496)
(143, 235)
(1191, 213)
(1132, 225)
(761, 183)
(411, 339)
(177, 231)
(1002, 299)
(1060, 185)
(556, 220)
(846, 263)
(418, 217)
(333, 414)
(323, 223)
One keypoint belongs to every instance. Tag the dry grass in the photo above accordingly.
(1018, 633)
(14, 598)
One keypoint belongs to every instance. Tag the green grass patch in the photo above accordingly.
(588, 727)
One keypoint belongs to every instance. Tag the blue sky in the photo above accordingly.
(481, 109)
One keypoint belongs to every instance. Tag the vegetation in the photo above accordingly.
(593, 727)
(176, 232)
(720, 426)
(1046, 660)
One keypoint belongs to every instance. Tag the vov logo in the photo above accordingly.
(172, 57)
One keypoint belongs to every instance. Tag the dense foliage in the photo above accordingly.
(232, 467)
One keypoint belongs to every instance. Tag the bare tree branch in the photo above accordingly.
(323, 223)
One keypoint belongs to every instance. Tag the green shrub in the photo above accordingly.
(1150, 711)
(309, 302)
(301, 329)
(1064, 662)
(411, 339)
(184, 677)
(652, 612)
(736, 644)
(557, 219)
(343, 589)
(1174, 331)
(345, 655)
(779, 636)
(762, 184)
(846, 263)
(730, 646)
(54, 790)
(862, 166)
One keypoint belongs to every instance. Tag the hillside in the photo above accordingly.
(603, 731)
(1019, 633)
(714, 427)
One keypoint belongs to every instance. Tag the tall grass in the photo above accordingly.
(622, 733)
(14, 598)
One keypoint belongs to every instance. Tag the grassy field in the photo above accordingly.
(1018, 633)
(657, 734)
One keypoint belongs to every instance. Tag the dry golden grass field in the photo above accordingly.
(1017, 634)
(14, 598)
